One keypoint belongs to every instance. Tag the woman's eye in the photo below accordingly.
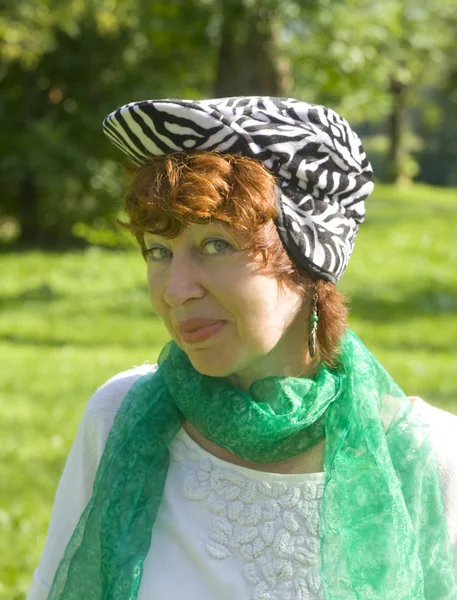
(157, 253)
(216, 246)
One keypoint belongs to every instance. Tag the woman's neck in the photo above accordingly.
(311, 461)
(276, 364)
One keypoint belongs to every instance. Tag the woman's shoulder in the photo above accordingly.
(441, 427)
(76, 483)
(104, 403)
(436, 419)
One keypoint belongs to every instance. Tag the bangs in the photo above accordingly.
(168, 193)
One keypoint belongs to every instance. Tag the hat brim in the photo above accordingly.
(154, 128)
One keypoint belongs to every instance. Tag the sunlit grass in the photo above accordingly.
(70, 321)
(402, 281)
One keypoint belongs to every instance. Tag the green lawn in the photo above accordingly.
(70, 321)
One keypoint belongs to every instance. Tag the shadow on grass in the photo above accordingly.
(41, 293)
(425, 302)
(431, 345)
(388, 211)
(131, 301)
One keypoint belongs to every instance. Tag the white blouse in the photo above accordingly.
(222, 531)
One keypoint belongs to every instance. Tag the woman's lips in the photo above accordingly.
(202, 333)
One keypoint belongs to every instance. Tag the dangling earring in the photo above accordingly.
(313, 319)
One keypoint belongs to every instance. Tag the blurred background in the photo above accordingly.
(74, 306)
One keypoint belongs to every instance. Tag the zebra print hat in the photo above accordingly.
(322, 171)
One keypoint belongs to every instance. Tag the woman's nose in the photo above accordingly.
(183, 283)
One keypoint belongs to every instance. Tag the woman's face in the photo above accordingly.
(229, 318)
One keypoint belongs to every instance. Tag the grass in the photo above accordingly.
(70, 321)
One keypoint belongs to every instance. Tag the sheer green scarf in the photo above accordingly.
(383, 531)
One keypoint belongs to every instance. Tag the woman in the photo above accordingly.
(268, 455)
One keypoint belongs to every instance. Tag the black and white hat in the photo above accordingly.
(323, 173)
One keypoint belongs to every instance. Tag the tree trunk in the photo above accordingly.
(399, 159)
(249, 59)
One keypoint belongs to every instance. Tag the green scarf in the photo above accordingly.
(383, 531)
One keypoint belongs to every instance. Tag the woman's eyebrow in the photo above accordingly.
(153, 236)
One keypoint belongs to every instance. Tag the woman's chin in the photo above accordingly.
(208, 364)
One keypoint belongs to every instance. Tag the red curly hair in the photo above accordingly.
(167, 193)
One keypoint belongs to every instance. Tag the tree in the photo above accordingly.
(250, 61)
(65, 64)
(371, 59)
(63, 71)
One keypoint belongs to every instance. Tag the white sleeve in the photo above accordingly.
(75, 486)
(441, 427)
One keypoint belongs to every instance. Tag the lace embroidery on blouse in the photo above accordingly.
(272, 527)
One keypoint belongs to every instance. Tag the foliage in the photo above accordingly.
(374, 59)
(70, 321)
(65, 64)
(351, 50)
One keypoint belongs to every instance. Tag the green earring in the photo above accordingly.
(313, 319)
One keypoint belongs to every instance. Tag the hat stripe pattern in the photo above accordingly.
(323, 173)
